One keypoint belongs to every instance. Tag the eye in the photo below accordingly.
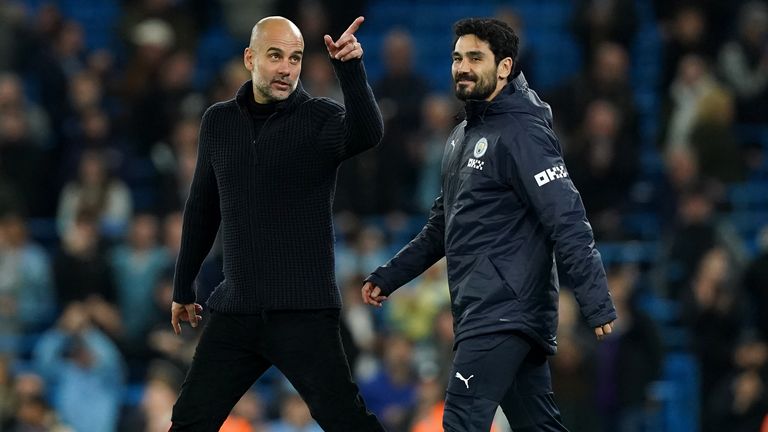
(274, 56)
(295, 59)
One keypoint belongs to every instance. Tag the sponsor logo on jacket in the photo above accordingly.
(550, 174)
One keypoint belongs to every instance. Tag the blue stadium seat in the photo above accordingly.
(749, 195)
(678, 394)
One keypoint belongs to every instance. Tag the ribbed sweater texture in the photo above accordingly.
(272, 195)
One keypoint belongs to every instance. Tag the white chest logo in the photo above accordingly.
(466, 380)
(481, 147)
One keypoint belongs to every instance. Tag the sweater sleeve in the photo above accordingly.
(358, 125)
(201, 218)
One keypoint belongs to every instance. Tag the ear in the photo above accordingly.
(504, 69)
(248, 58)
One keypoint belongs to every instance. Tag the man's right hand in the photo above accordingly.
(372, 295)
(185, 312)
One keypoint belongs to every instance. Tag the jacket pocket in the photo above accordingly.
(508, 273)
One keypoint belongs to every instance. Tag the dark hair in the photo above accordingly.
(499, 35)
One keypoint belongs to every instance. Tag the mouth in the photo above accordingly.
(281, 85)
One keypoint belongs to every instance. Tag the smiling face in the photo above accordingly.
(475, 72)
(274, 59)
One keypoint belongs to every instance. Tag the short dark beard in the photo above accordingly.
(481, 91)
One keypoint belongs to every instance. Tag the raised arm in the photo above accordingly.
(358, 125)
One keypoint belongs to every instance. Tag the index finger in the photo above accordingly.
(354, 26)
(175, 325)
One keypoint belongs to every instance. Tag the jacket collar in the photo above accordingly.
(294, 99)
(475, 109)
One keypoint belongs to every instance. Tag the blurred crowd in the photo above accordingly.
(100, 103)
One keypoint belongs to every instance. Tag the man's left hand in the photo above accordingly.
(603, 330)
(346, 47)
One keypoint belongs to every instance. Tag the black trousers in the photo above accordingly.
(500, 369)
(234, 350)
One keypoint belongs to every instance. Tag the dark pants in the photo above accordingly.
(502, 369)
(234, 350)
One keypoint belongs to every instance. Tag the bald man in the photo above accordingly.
(265, 174)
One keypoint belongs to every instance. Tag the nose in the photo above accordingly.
(284, 68)
(462, 66)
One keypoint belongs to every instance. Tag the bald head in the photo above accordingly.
(273, 58)
(275, 27)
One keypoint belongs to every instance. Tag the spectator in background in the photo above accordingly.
(85, 370)
(739, 401)
(414, 310)
(14, 35)
(400, 91)
(153, 40)
(168, 98)
(13, 100)
(174, 162)
(383, 181)
(162, 342)
(598, 21)
(313, 19)
(391, 391)
(137, 267)
(689, 34)
(629, 360)
(238, 18)
(34, 414)
(361, 245)
(606, 78)
(82, 274)
(27, 296)
(228, 80)
(21, 161)
(318, 77)
(743, 63)
(294, 416)
(428, 414)
(96, 192)
(359, 320)
(696, 231)
(250, 408)
(153, 413)
(694, 100)
(61, 60)
(712, 138)
(603, 162)
(89, 126)
(173, 13)
(525, 56)
(681, 173)
(714, 11)
(713, 311)
(438, 114)
(171, 235)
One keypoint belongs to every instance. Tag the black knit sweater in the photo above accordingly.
(272, 194)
